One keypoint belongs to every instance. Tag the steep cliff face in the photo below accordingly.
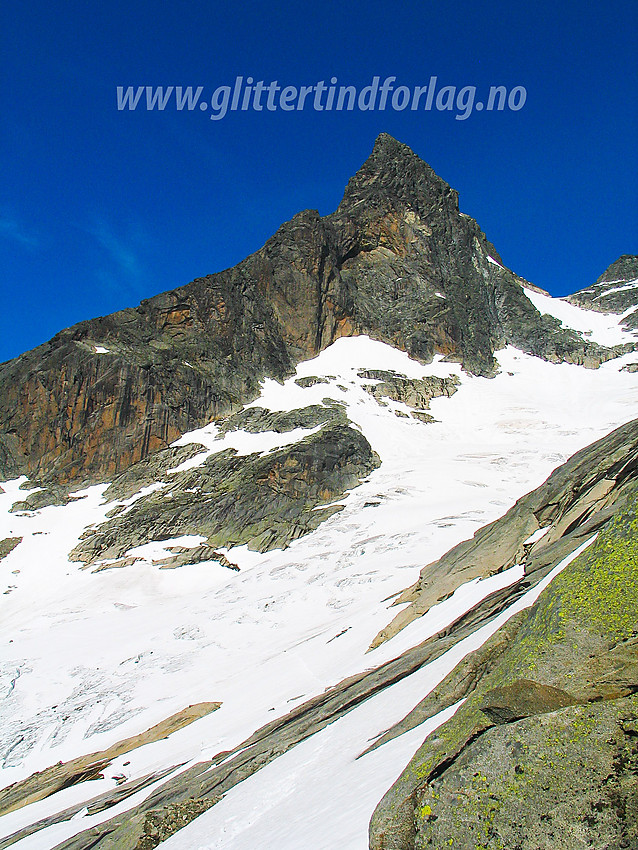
(397, 260)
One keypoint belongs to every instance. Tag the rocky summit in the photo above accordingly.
(332, 549)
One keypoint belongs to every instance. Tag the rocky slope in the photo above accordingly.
(264, 502)
(397, 261)
(581, 493)
(615, 291)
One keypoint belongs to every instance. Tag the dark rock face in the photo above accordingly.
(262, 501)
(397, 260)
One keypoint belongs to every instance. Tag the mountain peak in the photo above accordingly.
(394, 176)
(615, 291)
(396, 262)
(385, 142)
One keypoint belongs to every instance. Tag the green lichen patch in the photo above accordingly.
(599, 592)
(160, 824)
(566, 780)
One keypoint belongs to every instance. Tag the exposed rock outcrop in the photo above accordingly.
(8, 545)
(161, 824)
(42, 498)
(151, 470)
(615, 291)
(256, 420)
(264, 501)
(40, 785)
(413, 392)
(180, 556)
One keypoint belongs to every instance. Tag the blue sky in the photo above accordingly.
(100, 208)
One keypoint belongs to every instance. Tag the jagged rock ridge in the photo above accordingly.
(397, 261)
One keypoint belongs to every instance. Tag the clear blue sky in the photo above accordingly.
(100, 208)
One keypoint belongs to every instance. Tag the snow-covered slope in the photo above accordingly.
(89, 658)
(603, 328)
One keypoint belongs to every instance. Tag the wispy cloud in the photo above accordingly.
(13, 230)
(120, 265)
(119, 250)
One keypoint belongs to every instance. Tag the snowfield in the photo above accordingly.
(603, 328)
(91, 658)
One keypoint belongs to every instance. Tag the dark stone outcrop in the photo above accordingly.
(624, 269)
(8, 545)
(160, 824)
(310, 381)
(257, 419)
(43, 498)
(414, 392)
(180, 556)
(264, 501)
(155, 468)
(397, 260)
